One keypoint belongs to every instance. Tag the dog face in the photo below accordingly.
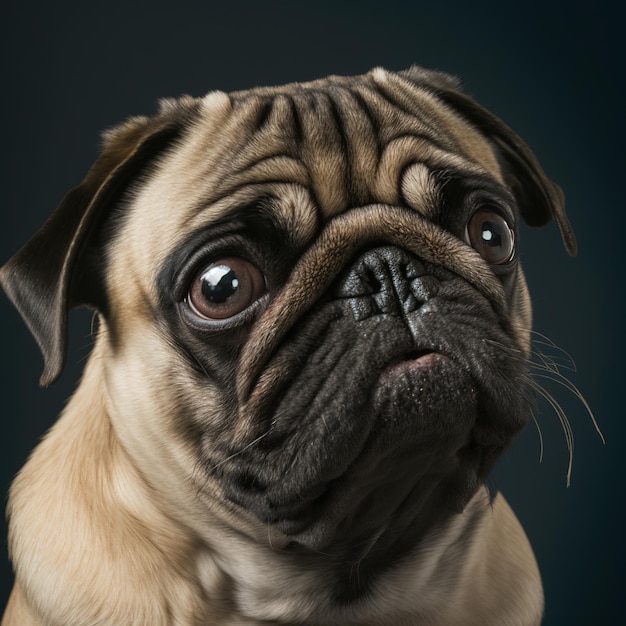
(314, 323)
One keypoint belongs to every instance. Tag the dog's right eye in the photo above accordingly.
(225, 288)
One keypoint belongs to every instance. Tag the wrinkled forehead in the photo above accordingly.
(346, 139)
(315, 149)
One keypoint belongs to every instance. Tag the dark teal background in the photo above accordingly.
(553, 71)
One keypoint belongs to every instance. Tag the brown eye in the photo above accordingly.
(225, 288)
(490, 235)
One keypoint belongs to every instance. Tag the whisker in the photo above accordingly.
(571, 387)
(93, 324)
(547, 342)
(538, 427)
(369, 545)
(567, 430)
(239, 452)
(548, 367)
(549, 363)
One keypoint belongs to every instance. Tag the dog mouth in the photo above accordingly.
(414, 360)
(354, 448)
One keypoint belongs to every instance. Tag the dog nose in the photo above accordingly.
(386, 280)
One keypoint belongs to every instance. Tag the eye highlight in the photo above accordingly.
(225, 288)
(491, 236)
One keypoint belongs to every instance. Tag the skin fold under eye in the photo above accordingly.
(225, 288)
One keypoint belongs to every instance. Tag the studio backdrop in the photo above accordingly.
(552, 71)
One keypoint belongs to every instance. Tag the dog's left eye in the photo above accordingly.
(225, 288)
(490, 235)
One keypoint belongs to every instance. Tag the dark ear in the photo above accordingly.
(539, 198)
(41, 278)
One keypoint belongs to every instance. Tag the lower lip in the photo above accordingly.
(427, 360)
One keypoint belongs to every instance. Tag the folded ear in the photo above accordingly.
(41, 278)
(538, 197)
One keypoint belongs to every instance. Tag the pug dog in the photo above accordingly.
(312, 346)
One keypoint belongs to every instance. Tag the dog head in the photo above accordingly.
(314, 323)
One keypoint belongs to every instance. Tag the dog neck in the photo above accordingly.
(283, 586)
(442, 581)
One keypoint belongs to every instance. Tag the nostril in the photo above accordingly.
(371, 281)
(359, 282)
(412, 270)
(424, 287)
